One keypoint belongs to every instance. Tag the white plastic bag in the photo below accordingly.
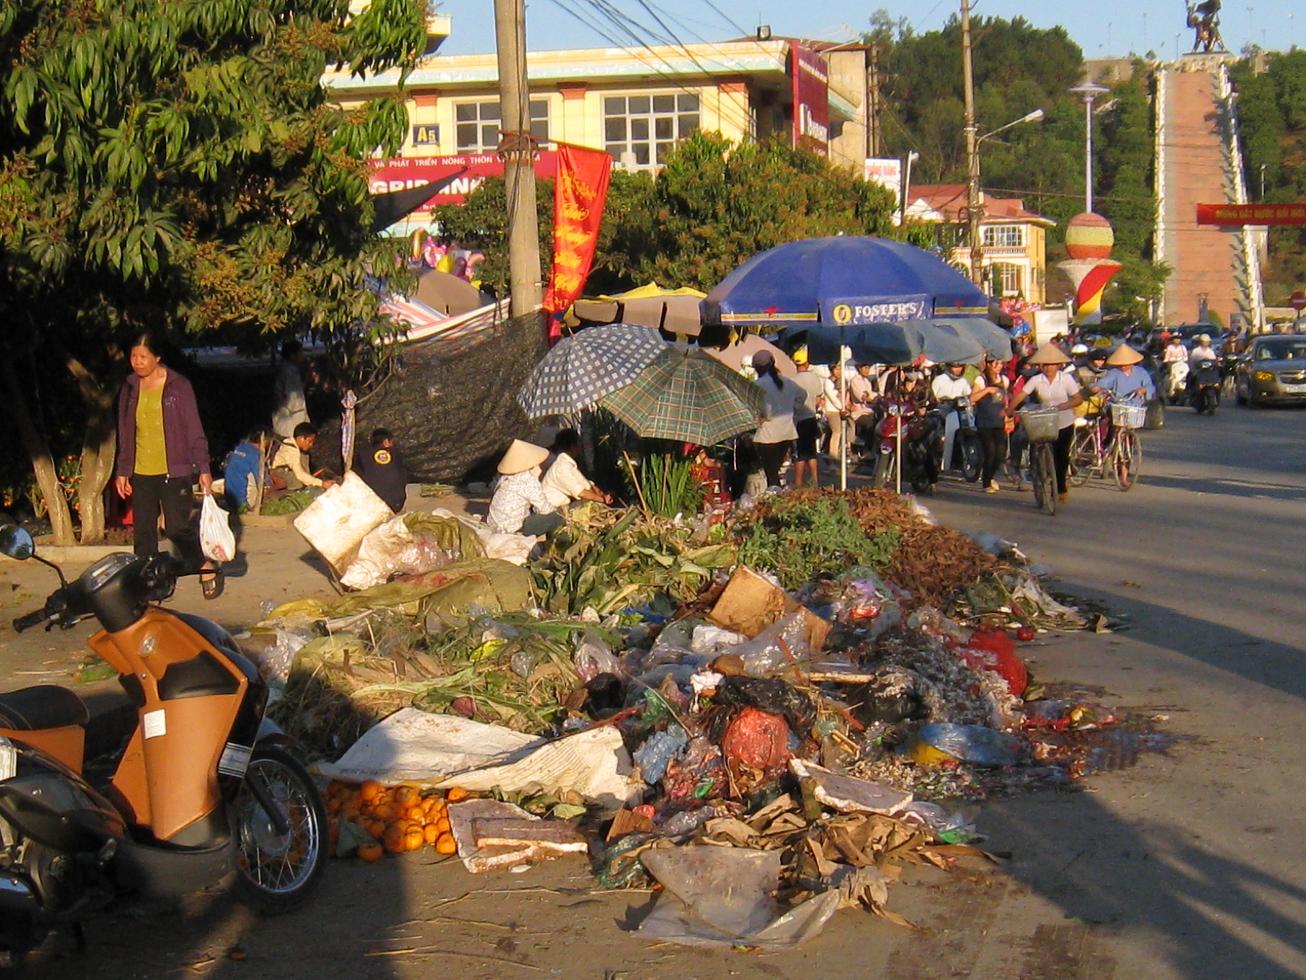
(216, 539)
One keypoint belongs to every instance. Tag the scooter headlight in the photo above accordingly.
(8, 759)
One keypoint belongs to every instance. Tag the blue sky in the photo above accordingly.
(1102, 28)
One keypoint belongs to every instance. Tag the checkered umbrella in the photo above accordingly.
(584, 367)
(688, 396)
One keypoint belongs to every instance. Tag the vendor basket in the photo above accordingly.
(1041, 423)
(1128, 416)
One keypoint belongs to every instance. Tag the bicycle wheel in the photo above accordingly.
(1082, 457)
(1045, 477)
(1126, 458)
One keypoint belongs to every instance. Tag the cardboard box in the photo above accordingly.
(750, 603)
(337, 521)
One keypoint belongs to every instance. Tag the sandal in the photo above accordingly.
(211, 583)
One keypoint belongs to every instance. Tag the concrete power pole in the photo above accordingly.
(973, 207)
(518, 156)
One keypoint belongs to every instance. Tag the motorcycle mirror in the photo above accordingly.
(16, 542)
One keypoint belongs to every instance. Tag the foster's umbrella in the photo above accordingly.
(993, 338)
(582, 368)
(688, 396)
(887, 343)
(842, 281)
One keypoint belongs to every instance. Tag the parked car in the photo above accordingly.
(1274, 370)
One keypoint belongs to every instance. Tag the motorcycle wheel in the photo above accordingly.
(275, 872)
(883, 473)
(972, 454)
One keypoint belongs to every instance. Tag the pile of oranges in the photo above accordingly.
(398, 819)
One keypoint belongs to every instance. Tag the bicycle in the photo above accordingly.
(1093, 453)
(1041, 428)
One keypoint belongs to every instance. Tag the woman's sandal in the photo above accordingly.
(211, 582)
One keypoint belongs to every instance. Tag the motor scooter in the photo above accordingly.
(967, 451)
(204, 791)
(1204, 387)
(1176, 382)
(920, 432)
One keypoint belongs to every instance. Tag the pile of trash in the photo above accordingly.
(637, 692)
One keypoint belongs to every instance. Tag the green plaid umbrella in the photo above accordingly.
(687, 395)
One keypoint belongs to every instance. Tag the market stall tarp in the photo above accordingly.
(451, 406)
(673, 310)
(841, 280)
(732, 355)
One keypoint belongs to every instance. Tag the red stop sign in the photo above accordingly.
(1298, 300)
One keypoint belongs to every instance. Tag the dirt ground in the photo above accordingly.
(1188, 864)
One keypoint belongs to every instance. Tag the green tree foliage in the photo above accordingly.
(1018, 68)
(176, 164)
(1272, 121)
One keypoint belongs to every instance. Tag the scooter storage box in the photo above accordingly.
(337, 521)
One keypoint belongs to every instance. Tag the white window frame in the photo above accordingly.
(662, 127)
(488, 125)
(1010, 278)
(1003, 236)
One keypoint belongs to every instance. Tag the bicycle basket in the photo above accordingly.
(1128, 416)
(1041, 424)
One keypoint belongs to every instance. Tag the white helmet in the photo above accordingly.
(1204, 338)
(1079, 349)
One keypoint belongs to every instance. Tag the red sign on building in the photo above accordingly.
(401, 173)
(810, 78)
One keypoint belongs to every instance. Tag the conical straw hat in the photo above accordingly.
(1049, 354)
(1122, 355)
(521, 456)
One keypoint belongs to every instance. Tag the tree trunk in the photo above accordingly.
(47, 479)
(99, 445)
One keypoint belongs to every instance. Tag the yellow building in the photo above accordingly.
(1014, 240)
(636, 103)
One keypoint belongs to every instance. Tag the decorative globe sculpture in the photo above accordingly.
(1089, 236)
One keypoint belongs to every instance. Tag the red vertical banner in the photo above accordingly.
(579, 193)
(810, 81)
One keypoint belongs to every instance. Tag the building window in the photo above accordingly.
(477, 125)
(647, 126)
(1004, 236)
(1007, 279)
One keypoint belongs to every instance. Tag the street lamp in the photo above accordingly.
(1090, 91)
(973, 208)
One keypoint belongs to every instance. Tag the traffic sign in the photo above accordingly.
(1298, 300)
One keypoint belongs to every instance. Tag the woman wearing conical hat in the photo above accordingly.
(1125, 379)
(519, 491)
(1057, 387)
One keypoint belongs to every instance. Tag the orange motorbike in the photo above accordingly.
(204, 790)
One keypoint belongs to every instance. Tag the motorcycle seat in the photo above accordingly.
(44, 706)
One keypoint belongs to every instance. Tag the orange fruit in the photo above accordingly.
(370, 790)
(369, 852)
(443, 826)
(430, 803)
(333, 805)
(413, 840)
(384, 812)
(445, 844)
(350, 810)
(394, 839)
(457, 794)
(430, 833)
(405, 796)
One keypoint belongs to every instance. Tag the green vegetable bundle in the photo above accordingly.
(798, 539)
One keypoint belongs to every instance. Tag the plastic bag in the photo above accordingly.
(274, 662)
(782, 644)
(216, 539)
(969, 743)
(593, 657)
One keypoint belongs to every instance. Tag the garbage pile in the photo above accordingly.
(799, 701)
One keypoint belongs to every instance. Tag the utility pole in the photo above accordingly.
(973, 208)
(518, 155)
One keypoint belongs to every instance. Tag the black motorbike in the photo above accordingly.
(967, 453)
(920, 434)
(1204, 383)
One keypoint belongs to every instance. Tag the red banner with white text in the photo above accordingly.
(579, 193)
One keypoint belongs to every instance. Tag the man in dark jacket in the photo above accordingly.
(382, 470)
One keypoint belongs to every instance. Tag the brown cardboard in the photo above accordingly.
(749, 604)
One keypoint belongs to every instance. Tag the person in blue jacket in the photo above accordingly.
(241, 475)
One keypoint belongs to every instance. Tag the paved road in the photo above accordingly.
(1189, 865)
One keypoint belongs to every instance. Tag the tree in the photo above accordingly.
(178, 165)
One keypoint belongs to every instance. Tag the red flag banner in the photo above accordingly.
(1251, 214)
(579, 193)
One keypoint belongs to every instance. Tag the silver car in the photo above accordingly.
(1273, 370)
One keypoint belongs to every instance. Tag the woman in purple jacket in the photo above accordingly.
(162, 451)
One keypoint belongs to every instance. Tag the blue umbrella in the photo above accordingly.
(841, 281)
(992, 337)
(886, 343)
